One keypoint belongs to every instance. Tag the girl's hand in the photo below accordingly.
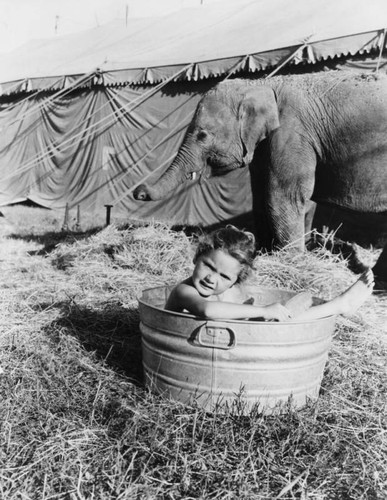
(277, 312)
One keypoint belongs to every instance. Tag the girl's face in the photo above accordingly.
(215, 272)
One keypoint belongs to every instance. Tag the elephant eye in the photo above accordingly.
(202, 135)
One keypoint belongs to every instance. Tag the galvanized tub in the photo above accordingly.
(217, 363)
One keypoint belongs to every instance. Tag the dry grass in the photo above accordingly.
(76, 422)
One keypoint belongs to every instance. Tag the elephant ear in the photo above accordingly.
(258, 116)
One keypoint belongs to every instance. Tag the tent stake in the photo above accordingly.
(65, 226)
(108, 210)
(78, 223)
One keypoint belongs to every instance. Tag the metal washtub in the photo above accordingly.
(212, 362)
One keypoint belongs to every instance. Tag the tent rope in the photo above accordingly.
(66, 144)
(31, 96)
(171, 133)
(287, 60)
(43, 155)
(231, 71)
(134, 103)
(132, 188)
(130, 169)
(52, 98)
(381, 50)
(127, 191)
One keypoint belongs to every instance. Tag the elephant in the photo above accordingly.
(318, 138)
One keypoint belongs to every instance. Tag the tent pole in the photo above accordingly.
(65, 226)
(78, 223)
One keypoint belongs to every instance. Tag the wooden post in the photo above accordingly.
(78, 223)
(65, 226)
(108, 210)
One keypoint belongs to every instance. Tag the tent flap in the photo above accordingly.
(83, 150)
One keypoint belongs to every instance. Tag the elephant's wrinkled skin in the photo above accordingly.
(324, 137)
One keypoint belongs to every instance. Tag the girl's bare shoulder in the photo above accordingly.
(180, 291)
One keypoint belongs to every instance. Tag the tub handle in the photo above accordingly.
(216, 335)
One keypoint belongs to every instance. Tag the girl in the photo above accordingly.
(223, 260)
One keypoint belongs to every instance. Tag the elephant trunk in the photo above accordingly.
(177, 173)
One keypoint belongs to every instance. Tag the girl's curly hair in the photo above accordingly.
(239, 244)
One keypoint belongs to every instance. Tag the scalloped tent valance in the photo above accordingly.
(198, 43)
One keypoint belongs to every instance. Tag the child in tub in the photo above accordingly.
(223, 261)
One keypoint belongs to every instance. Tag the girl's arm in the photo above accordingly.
(185, 296)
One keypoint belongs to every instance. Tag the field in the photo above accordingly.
(77, 422)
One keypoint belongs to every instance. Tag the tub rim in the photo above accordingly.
(242, 321)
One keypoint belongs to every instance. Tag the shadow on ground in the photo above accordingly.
(111, 333)
(51, 239)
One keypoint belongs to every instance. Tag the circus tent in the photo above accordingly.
(86, 117)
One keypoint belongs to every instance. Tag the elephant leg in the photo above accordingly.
(287, 212)
(287, 221)
(309, 216)
(290, 184)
